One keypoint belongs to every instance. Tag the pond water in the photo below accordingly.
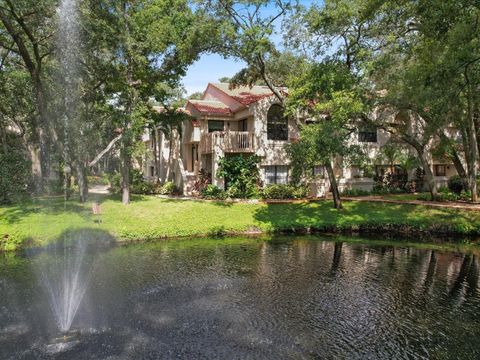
(241, 298)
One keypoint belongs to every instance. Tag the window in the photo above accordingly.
(276, 174)
(215, 125)
(243, 125)
(398, 171)
(380, 170)
(367, 134)
(319, 171)
(277, 124)
(152, 171)
(440, 170)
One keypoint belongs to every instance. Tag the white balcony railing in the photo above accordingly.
(227, 141)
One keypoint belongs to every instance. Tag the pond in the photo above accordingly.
(250, 298)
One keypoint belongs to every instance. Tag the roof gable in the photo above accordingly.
(244, 95)
(210, 107)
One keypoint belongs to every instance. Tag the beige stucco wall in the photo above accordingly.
(272, 151)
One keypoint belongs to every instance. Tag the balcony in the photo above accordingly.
(227, 141)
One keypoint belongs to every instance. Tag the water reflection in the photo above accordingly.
(247, 298)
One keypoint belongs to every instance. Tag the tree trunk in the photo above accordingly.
(458, 164)
(125, 175)
(472, 159)
(472, 166)
(155, 156)
(34, 150)
(170, 156)
(125, 156)
(337, 203)
(82, 180)
(432, 186)
(3, 137)
(454, 157)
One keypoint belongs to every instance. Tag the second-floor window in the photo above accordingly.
(277, 123)
(243, 125)
(367, 134)
(215, 125)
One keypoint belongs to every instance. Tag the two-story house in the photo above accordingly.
(250, 121)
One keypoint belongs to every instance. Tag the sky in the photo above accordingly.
(211, 67)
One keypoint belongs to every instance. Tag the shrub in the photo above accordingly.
(98, 180)
(444, 194)
(457, 184)
(115, 180)
(204, 178)
(169, 188)
(385, 191)
(389, 183)
(241, 175)
(213, 192)
(137, 184)
(300, 192)
(424, 197)
(355, 192)
(465, 195)
(283, 191)
(143, 188)
(411, 186)
(15, 173)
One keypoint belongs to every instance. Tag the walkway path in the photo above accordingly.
(99, 189)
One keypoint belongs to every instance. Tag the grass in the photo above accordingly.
(147, 217)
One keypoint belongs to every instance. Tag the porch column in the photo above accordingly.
(217, 154)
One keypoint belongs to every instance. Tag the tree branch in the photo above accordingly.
(106, 150)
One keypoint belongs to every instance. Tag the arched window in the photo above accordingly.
(277, 123)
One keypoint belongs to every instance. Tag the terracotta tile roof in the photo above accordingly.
(211, 107)
(244, 94)
(161, 109)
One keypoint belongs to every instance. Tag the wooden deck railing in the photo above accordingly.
(227, 141)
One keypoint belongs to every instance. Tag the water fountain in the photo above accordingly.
(65, 271)
(65, 276)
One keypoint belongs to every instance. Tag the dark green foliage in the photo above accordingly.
(456, 184)
(137, 184)
(98, 180)
(241, 175)
(169, 188)
(355, 192)
(412, 186)
(14, 174)
(389, 183)
(213, 192)
(282, 191)
(445, 194)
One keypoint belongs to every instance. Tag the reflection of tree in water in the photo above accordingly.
(429, 275)
(337, 254)
(467, 279)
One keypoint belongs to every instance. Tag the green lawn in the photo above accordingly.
(43, 221)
